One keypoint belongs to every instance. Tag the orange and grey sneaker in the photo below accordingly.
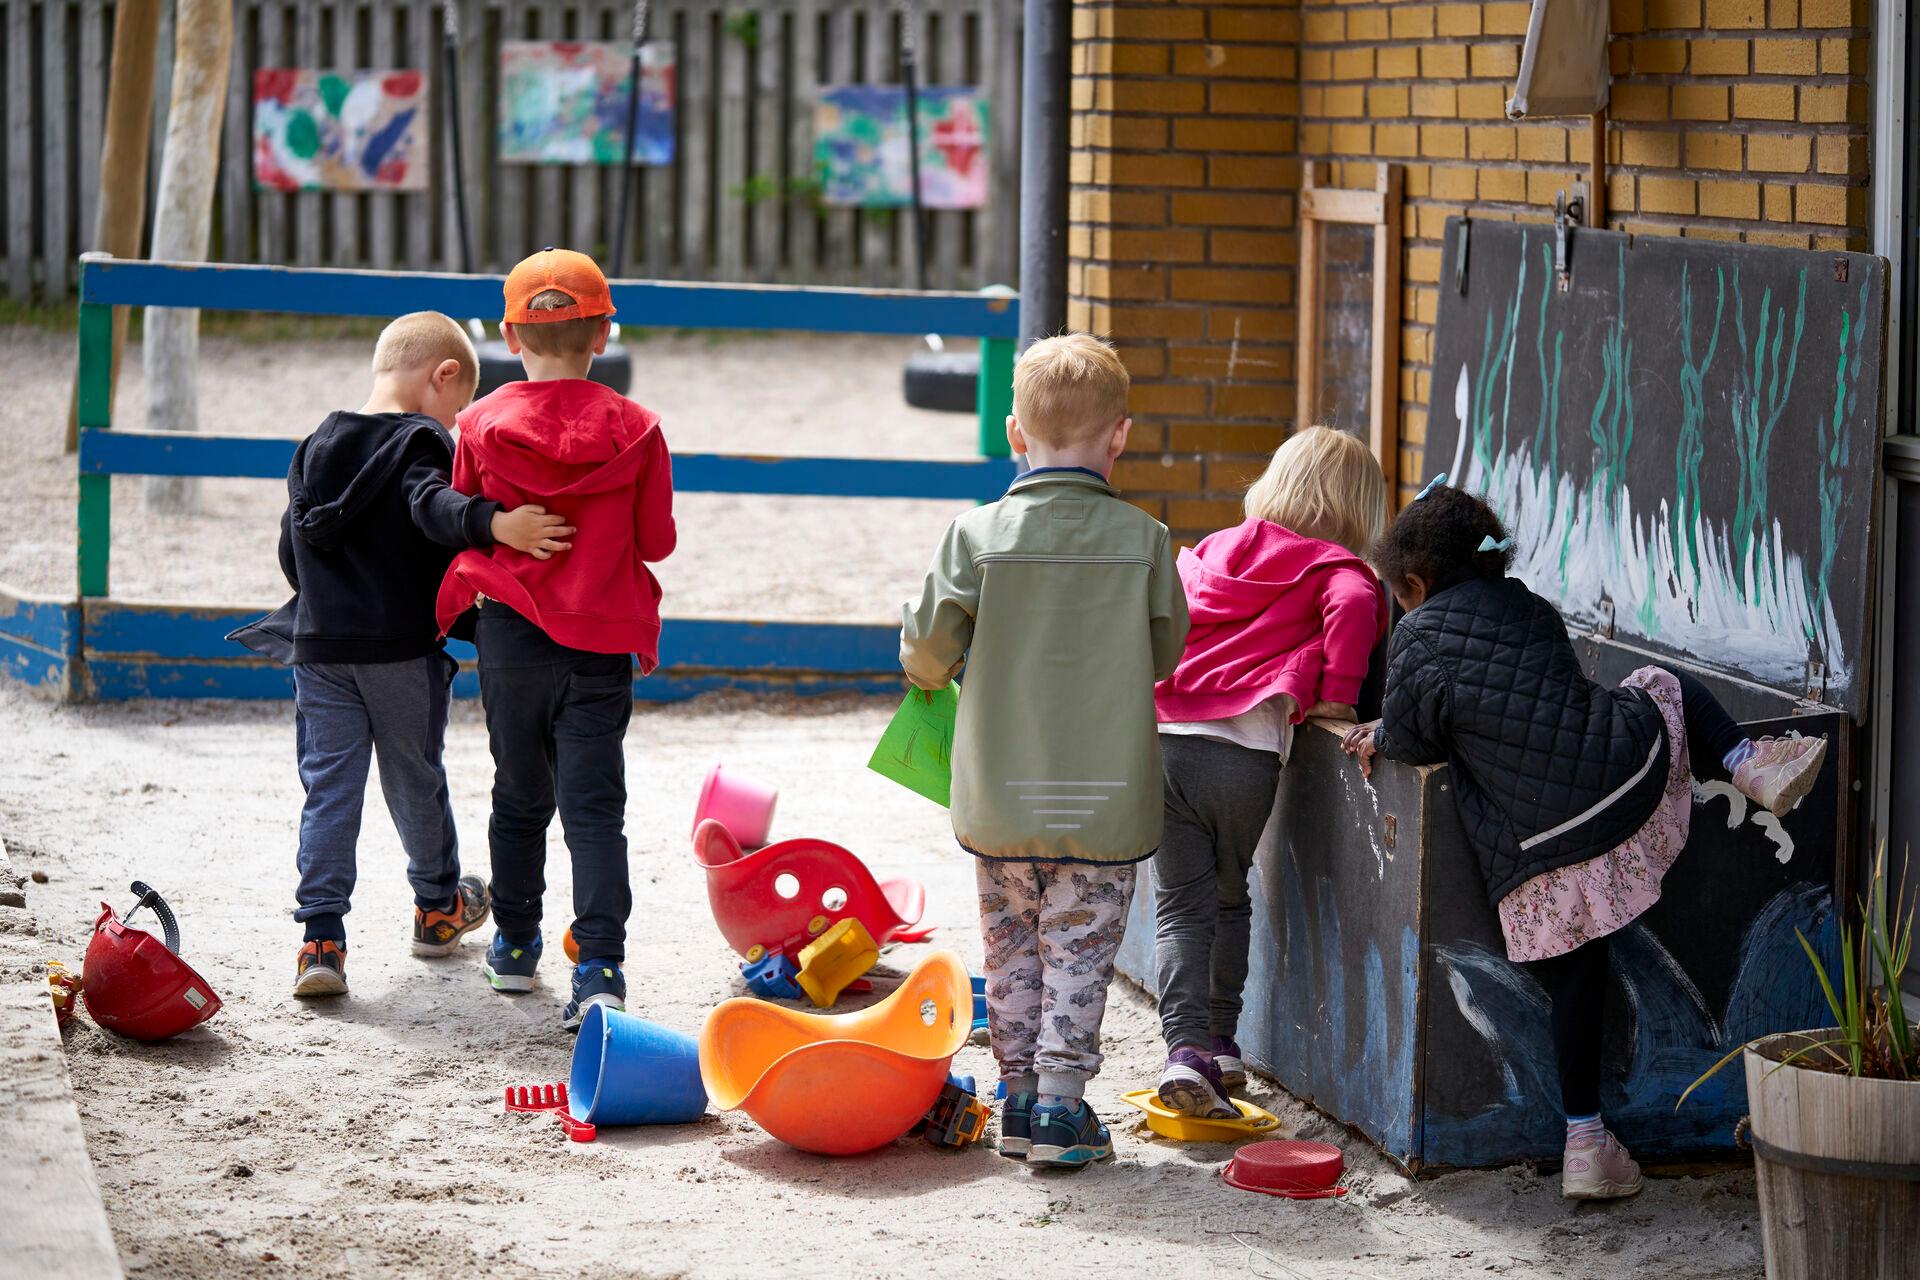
(438, 933)
(321, 969)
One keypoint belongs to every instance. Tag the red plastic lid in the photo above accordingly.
(1288, 1167)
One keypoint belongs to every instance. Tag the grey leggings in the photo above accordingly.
(1218, 799)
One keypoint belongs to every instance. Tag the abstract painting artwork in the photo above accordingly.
(860, 147)
(565, 102)
(339, 130)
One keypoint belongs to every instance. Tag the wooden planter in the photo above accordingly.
(1839, 1168)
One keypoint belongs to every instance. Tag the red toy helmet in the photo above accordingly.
(136, 984)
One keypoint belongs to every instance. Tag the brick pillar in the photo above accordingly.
(1183, 238)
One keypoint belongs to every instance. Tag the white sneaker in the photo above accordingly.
(1780, 772)
(1599, 1169)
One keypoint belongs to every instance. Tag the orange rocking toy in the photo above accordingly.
(840, 1084)
(780, 898)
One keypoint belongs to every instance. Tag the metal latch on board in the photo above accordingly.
(1816, 679)
(1568, 213)
(1603, 627)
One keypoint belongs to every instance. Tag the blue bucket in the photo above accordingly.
(627, 1070)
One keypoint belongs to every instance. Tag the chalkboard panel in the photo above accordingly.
(1684, 441)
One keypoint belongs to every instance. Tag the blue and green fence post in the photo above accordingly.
(95, 414)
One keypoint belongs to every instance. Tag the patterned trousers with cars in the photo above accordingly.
(1052, 930)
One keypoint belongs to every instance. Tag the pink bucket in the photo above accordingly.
(744, 808)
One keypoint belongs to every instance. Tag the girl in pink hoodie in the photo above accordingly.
(1285, 614)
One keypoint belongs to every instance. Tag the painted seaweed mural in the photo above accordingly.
(1693, 478)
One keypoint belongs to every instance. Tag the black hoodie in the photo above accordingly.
(370, 527)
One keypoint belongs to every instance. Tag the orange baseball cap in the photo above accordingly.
(574, 274)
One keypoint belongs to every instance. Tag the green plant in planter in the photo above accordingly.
(1875, 1036)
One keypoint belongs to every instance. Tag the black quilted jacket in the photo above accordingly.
(1549, 768)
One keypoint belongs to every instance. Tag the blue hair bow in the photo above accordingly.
(1432, 484)
(1488, 544)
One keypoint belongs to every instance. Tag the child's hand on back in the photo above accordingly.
(1358, 741)
(532, 529)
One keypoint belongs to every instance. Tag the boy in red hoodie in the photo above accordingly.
(558, 638)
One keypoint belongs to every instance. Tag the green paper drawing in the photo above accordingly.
(916, 751)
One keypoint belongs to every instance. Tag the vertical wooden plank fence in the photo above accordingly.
(736, 204)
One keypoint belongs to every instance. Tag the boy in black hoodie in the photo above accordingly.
(370, 526)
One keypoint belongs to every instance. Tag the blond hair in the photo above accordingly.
(1067, 390)
(422, 340)
(558, 337)
(1325, 484)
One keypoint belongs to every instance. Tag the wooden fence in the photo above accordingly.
(732, 207)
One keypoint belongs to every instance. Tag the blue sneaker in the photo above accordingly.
(1016, 1117)
(594, 982)
(1070, 1136)
(510, 967)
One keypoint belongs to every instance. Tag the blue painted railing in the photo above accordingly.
(178, 650)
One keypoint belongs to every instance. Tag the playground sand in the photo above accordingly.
(827, 396)
(365, 1137)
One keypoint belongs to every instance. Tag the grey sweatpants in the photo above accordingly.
(1052, 930)
(346, 715)
(1218, 798)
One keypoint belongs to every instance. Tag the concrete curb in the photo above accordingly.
(54, 1225)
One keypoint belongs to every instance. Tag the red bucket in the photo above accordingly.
(1287, 1167)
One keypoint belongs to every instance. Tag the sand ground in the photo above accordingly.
(833, 558)
(365, 1137)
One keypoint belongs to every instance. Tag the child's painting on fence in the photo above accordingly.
(565, 102)
(860, 147)
(339, 130)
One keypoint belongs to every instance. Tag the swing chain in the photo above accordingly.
(639, 23)
(450, 23)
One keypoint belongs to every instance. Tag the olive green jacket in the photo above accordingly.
(1065, 606)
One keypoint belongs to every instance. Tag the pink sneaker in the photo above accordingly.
(1780, 772)
(1599, 1168)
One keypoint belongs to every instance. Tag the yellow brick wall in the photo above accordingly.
(1731, 119)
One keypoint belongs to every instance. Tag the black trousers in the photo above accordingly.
(1577, 984)
(1711, 732)
(556, 722)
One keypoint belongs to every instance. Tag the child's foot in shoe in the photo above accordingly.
(1780, 772)
(1597, 1167)
(321, 969)
(594, 982)
(510, 966)
(1191, 1085)
(438, 933)
(1016, 1122)
(1226, 1056)
(1067, 1136)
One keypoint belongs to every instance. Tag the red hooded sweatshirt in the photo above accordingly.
(597, 458)
(1272, 612)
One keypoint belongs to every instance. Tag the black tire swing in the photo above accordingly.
(499, 366)
(937, 379)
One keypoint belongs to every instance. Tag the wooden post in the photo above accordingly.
(1597, 171)
(182, 223)
(122, 211)
(94, 396)
(993, 395)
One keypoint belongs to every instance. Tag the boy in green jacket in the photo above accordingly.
(1064, 604)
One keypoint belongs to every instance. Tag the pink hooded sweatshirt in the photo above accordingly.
(1273, 613)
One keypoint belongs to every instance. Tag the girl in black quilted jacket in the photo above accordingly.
(1575, 797)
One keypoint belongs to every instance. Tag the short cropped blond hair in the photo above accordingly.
(1325, 484)
(422, 340)
(558, 337)
(1067, 390)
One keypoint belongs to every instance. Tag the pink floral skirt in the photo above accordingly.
(1559, 910)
